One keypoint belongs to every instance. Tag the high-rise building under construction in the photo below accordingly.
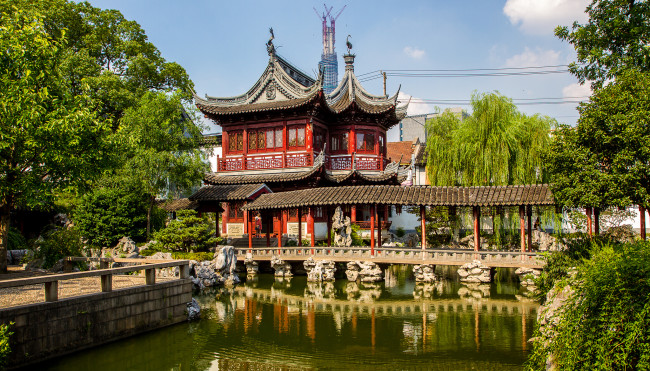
(328, 62)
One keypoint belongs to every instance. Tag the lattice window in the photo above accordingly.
(339, 142)
(297, 136)
(279, 135)
(365, 142)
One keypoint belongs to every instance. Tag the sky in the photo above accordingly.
(222, 45)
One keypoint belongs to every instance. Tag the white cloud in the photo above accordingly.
(531, 58)
(577, 91)
(414, 52)
(542, 16)
(416, 106)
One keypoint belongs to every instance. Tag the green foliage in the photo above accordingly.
(614, 39)
(605, 160)
(438, 225)
(495, 145)
(198, 256)
(399, 232)
(188, 233)
(57, 244)
(5, 348)
(16, 241)
(606, 324)
(356, 236)
(291, 243)
(108, 214)
(51, 138)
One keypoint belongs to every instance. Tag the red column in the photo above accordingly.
(250, 235)
(224, 218)
(588, 212)
(269, 225)
(477, 228)
(329, 226)
(372, 230)
(378, 226)
(310, 225)
(246, 224)
(299, 226)
(642, 220)
(522, 227)
(284, 221)
(280, 231)
(353, 213)
(530, 228)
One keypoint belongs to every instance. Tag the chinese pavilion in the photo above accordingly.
(287, 134)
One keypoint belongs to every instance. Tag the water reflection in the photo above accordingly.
(291, 324)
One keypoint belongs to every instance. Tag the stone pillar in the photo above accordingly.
(522, 227)
(423, 226)
(477, 227)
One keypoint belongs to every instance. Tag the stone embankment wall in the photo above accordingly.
(51, 329)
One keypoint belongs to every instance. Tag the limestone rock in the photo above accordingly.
(364, 271)
(474, 291)
(252, 267)
(193, 310)
(425, 273)
(425, 290)
(317, 271)
(282, 269)
(545, 241)
(225, 264)
(125, 246)
(474, 272)
(527, 276)
(342, 229)
(161, 255)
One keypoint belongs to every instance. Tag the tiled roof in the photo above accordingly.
(175, 205)
(221, 193)
(221, 178)
(421, 155)
(537, 194)
(397, 150)
(206, 107)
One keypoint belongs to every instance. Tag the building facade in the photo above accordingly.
(286, 133)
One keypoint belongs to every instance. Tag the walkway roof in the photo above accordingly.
(537, 194)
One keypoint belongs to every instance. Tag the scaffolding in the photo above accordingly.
(329, 63)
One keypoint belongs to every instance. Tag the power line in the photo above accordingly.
(467, 69)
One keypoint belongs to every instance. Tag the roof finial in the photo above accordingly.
(348, 43)
(269, 45)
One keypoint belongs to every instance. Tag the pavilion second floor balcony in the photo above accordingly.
(303, 159)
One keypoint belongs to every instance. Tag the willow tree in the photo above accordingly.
(495, 145)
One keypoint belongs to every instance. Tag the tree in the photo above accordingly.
(108, 53)
(162, 145)
(495, 145)
(605, 160)
(107, 214)
(188, 233)
(50, 139)
(615, 38)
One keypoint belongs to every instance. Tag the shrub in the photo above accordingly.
(5, 348)
(108, 214)
(188, 233)
(606, 324)
(400, 232)
(198, 256)
(16, 241)
(57, 244)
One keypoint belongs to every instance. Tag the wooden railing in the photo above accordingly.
(385, 224)
(345, 162)
(51, 282)
(398, 255)
(262, 161)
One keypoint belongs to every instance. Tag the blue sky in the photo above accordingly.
(221, 44)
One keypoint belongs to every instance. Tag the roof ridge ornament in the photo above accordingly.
(270, 48)
(348, 44)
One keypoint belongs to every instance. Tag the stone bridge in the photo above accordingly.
(396, 255)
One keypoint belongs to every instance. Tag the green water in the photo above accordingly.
(267, 325)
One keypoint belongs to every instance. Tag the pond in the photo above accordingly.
(267, 323)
